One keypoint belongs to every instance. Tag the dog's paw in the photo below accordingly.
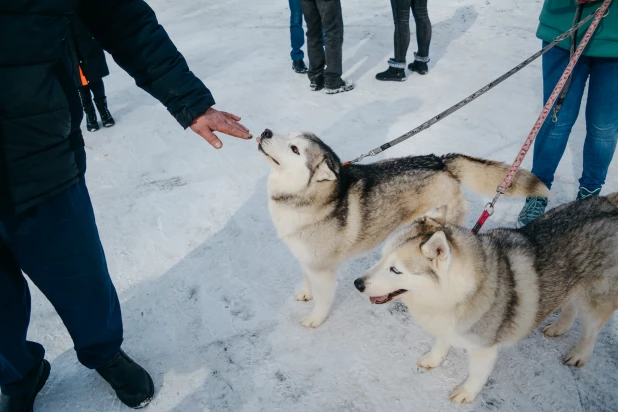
(461, 394)
(312, 320)
(430, 360)
(304, 295)
(554, 329)
(577, 357)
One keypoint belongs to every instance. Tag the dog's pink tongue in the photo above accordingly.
(258, 139)
(378, 299)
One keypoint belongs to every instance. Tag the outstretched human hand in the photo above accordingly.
(216, 121)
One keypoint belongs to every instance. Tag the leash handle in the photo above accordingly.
(510, 175)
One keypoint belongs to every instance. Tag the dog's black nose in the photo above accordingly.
(360, 284)
(267, 134)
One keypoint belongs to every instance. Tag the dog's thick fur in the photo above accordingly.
(487, 291)
(327, 213)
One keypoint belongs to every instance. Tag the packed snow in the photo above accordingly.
(207, 287)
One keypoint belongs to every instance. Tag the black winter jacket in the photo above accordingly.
(41, 148)
(88, 54)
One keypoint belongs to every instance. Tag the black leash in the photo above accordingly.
(475, 95)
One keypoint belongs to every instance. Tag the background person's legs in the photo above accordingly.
(332, 22)
(423, 27)
(315, 49)
(297, 34)
(601, 124)
(401, 18)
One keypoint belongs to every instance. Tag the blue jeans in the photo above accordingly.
(297, 34)
(56, 243)
(601, 117)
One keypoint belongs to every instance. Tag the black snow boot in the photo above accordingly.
(91, 115)
(106, 116)
(25, 403)
(396, 72)
(133, 385)
(338, 86)
(299, 66)
(317, 83)
(419, 65)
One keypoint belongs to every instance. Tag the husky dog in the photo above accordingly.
(488, 291)
(327, 213)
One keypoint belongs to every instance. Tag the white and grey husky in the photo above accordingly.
(327, 213)
(487, 291)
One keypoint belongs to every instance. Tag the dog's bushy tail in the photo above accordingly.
(613, 198)
(483, 176)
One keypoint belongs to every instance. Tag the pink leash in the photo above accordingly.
(510, 175)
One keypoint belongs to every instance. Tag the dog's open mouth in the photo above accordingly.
(261, 149)
(380, 300)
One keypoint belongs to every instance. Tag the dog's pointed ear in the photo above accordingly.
(436, 247)
(438, 214)
(326, 171)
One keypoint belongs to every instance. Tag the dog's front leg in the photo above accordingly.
(436, 355)
(481, 363)
(323, 285)
(305, 294)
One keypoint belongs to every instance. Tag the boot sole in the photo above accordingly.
(344, 89)
(393, 80)
(40, 384)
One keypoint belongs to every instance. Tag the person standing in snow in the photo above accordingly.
(47, 224)
(297, 37)
(92, 67)
(599, 67)
(401, 15)
(325, 53)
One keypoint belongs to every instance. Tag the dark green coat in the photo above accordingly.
(557, 17)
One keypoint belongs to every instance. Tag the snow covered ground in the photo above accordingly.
(207, 288)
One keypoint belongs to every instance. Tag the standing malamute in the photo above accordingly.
(487, 291)
(327, 213)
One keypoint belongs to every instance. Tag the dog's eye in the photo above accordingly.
(395, 271)
(295, 150)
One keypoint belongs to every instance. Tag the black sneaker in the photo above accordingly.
(25, 403)
(299, 66)
(419, 65)
(133, 385)
(585, 193)
(339, 86)
(317, 83)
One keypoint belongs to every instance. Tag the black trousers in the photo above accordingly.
(401, 16)
(97, 88)
(324, 58)
(56, 243)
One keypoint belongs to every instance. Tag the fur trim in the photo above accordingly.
(396, 65)
(421, 59)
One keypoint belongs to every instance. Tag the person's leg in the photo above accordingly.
(601, 124)
(57, 245)
(315, 50)
(552, 139)
(18, 356)
(401, 17)
(297, 34)
(423, 27)
(98, 89)
(332, 21)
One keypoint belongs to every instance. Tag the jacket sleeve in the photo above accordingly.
(130, 32)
